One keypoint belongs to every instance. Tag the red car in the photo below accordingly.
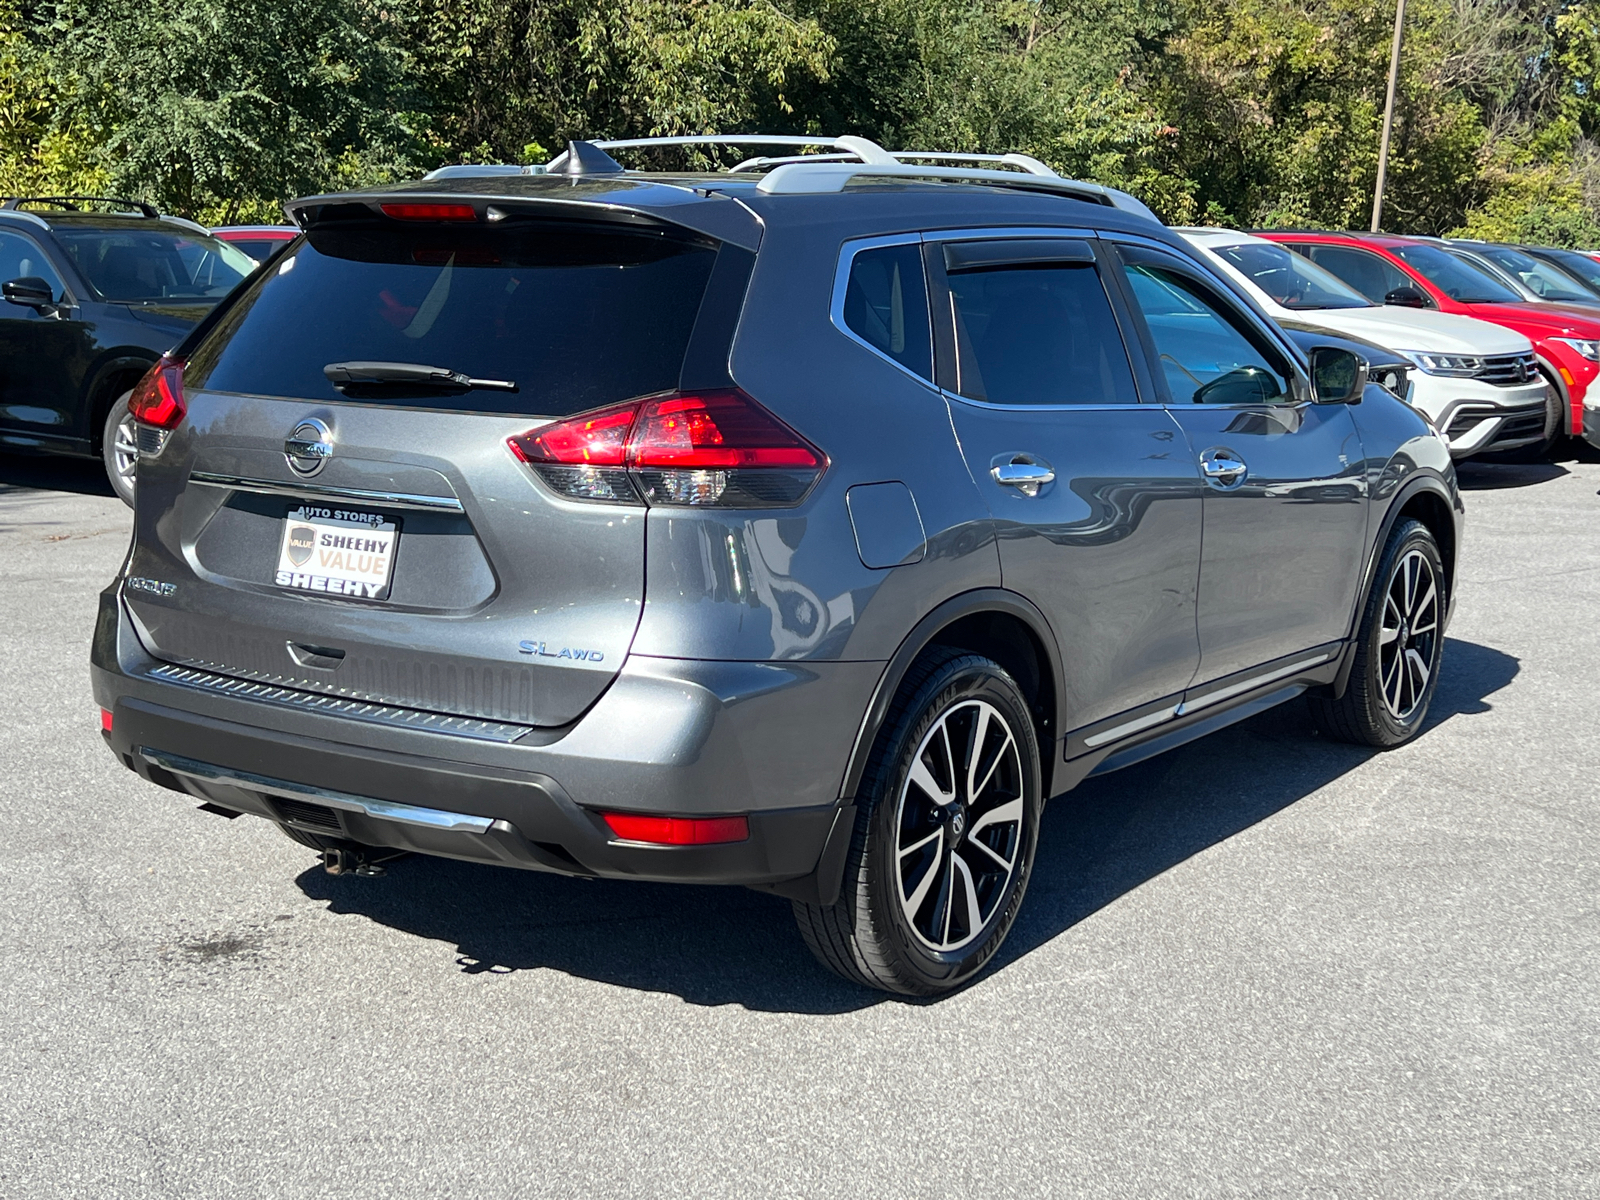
(258, 241)
(1421, 273)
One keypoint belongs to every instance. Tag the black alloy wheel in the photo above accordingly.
(1399, 647)
(946, 825)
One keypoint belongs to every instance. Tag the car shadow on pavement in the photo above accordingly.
(31, 473)
(1477, 476)
(715, 946)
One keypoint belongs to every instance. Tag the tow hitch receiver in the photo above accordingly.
(337, 860)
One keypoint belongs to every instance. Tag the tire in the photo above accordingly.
(935, 874)
(119, 451)
(1399, 647)
(313, 841)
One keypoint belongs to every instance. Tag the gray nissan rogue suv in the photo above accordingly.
(804, 526)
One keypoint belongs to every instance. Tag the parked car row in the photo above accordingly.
(805, 526)
(1530, 294)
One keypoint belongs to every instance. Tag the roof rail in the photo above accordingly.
(469, 170)
(805, 178)
(70, 203)
(864, 149)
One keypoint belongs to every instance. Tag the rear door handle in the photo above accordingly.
(1223, 468)
(1022, 471)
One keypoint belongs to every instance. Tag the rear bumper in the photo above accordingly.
(671, 737)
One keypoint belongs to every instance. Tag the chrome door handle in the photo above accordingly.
(1223, 467)
(1022, 471)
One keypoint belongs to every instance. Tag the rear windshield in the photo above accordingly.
(576, 316)
(259, 249)
(145, 266)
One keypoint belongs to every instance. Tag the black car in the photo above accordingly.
(96, 291)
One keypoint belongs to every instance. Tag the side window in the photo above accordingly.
(1205, 356)
(886, 305)
(19, 258)
(1374, 277)
(1038, 334)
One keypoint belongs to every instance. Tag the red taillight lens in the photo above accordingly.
(715, 430)
(429, 212)
(678, 831)
(599, 439)
(158, 398)
(718, 447)
(105, 720)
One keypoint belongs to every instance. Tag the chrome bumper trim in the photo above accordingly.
(504, 732)
(320, 491)
(387, 810)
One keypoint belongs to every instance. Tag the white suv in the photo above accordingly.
(1463, 365)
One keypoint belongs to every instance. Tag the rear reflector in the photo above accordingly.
(678, 831)
(429, 212)
(157, 399)
(702, 448)
(105, 720)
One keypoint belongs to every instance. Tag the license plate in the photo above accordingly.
(337, 553)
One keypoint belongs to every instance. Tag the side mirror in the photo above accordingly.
(1337, 376)
(30, 291)
(1406, 297)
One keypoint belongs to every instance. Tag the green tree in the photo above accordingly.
(222, 109)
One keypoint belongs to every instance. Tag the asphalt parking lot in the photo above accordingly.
(1263, 965)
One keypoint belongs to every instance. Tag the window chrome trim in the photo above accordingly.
(384, 810)
(1206, 699)
(321, 491)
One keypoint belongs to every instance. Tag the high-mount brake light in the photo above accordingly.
(430, 212)
(678, 831)
(684, 448)
(157, 399)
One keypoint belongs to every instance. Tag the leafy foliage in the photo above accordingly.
(1258, 112)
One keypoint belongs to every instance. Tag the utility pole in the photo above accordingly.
(1388, 113)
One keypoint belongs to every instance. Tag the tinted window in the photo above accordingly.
(1205, 356)
(146, 265)
(259, 249)
(1540, 278)
(576, 315)
(20, 258)
(1290, 279)
(1370, 274)
(886, 305)
(1580, 265)
(1038, 335)
(1455, 277)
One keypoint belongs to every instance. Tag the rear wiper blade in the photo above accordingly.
(356, 374)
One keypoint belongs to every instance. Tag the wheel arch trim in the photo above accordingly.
(978, 602)
(1418, 485)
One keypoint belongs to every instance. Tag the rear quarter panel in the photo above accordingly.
(788, 584)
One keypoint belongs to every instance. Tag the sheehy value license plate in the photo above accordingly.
(337, 552)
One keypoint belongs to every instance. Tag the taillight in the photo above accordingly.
(703, 448)
(429, 212)
(105, 720)
(157, 400)
(678, 831)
